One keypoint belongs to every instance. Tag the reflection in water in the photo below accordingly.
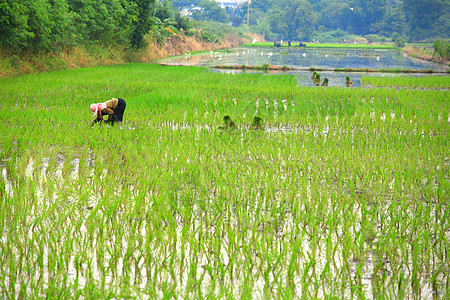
(318, 58)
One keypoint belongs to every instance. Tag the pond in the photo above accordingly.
(303, 58)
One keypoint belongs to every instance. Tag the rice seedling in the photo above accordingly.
(431, 82)
(344, 194)
(348, 81)
(257, 123)
(228, 123)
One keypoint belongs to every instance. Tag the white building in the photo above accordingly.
(231, 3)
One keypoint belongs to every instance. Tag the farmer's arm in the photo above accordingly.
(108, 111)
(98, 119)
(110, 107)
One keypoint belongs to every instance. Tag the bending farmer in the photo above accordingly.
(114, 108)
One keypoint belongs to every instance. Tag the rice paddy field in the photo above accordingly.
(322, 46)
(344, 193)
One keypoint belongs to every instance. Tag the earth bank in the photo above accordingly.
(95, 55)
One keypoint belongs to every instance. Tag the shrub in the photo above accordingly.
(400, 42)
(374, 38)
(442, 48)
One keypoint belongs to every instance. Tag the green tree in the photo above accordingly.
(98, 20)
(210, 11)
(14, 29)
(236, 14)
(62, 31)
(365, 14)
(426, 19)
(142, 23)
(292, 19)
(394, 22)
(302, 25)
(25, 24)
(336, 15)
(182, 22)
(262, 5)
(442, 48)
(163, 10)
(276, 19)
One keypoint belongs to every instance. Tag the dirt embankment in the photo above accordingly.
(76, 57)
(178, 45)
(425, 53)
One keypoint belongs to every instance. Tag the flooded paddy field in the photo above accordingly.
(302, 59)
(343, 192)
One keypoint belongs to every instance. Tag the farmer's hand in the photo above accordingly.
(95, 121)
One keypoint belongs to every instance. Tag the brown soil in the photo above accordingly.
(425, 54)
(177, 45)
(13, 65)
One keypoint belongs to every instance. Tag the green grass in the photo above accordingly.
(433, 82)
(421, 44)
(344, 194)
(367, 70)
(332, 46)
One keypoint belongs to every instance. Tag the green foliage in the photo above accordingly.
(442, 48)
(333, 36)
(400, 42)
(374, 38)
(203, 35)
(142, 23)
(427, 19)
(167, 21)
(163, 29)
(182, 22)
(210, 30)
(366, 14)
(210, 11)
(411, 18)
(25, 24)
(291, 20)
(54, 25)
(336, 15)
(97, 20)
(394, 22)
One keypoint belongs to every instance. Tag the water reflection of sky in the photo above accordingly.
(302, 58)
(306, 58)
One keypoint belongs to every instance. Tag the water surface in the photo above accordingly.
(301, 59)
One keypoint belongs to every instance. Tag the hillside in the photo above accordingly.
(89, 56)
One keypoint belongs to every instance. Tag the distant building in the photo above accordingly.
(230, 3)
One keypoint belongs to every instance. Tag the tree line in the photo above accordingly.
(414, 20)
(54, 25)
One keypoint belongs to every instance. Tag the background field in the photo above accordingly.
(345, 193)
(317, 45)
